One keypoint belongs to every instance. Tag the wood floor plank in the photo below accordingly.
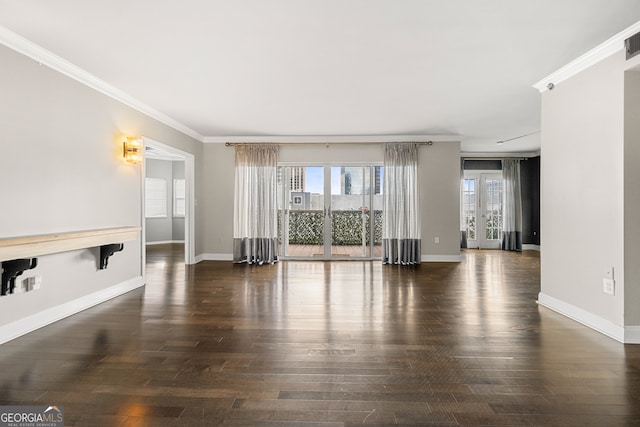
(327, 344)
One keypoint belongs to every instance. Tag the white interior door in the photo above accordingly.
(482, 209)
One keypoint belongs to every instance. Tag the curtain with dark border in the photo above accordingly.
(463, 225)
(255, 226)
(401, 242)
(511, 206)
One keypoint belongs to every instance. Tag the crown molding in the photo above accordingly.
(595, 55)
(332, 139)
(45, 57)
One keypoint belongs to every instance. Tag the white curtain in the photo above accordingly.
(511, 206)
(401, 210)
(255, 226)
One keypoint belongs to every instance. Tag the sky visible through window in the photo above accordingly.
(314, 180)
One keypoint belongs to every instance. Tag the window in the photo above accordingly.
(179, 200)
(155, 202)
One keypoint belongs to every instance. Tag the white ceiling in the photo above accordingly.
(329, 67)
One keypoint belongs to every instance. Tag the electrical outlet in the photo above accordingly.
(34, 283)
(609, 273)
(21, 287)
(437, 240)
(608, 286)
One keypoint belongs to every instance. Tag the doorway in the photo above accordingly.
(178, 195)
(482, 209)
(330, 212)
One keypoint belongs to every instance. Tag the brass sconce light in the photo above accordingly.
(132, 150)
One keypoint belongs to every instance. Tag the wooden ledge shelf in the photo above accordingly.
(18, 254)
(33, 246)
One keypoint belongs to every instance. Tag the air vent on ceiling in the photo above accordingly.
(632, 45)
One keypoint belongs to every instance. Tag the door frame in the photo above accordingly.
(189, 215)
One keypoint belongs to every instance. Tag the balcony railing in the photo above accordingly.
(306, 227)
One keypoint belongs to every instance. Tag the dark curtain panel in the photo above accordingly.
(511, 206)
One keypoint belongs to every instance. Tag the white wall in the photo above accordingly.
(439, 186)
(632, 197)
(439, 176)
(219, 175)
(583, 195)
(61, 169)
(582, 198)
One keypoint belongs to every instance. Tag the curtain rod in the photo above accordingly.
(233, 144)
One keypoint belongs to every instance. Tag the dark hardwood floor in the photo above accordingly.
(326, 344)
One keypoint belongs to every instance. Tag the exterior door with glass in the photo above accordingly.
(330, 212)
(482, 209)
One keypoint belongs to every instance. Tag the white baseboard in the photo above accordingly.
(214, 257)
(531, 248)
(164, 242)
(632, 335)
(46, 317)
(441, 258)
(604, 326)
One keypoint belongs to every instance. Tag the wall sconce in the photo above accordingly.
(132, 150)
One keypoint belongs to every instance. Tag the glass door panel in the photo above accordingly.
(350, 211)
(303, 211)
(492, 207)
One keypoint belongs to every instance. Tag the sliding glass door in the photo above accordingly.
(331, 212)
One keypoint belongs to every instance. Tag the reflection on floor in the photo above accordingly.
(351, 251)
(326, 344)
